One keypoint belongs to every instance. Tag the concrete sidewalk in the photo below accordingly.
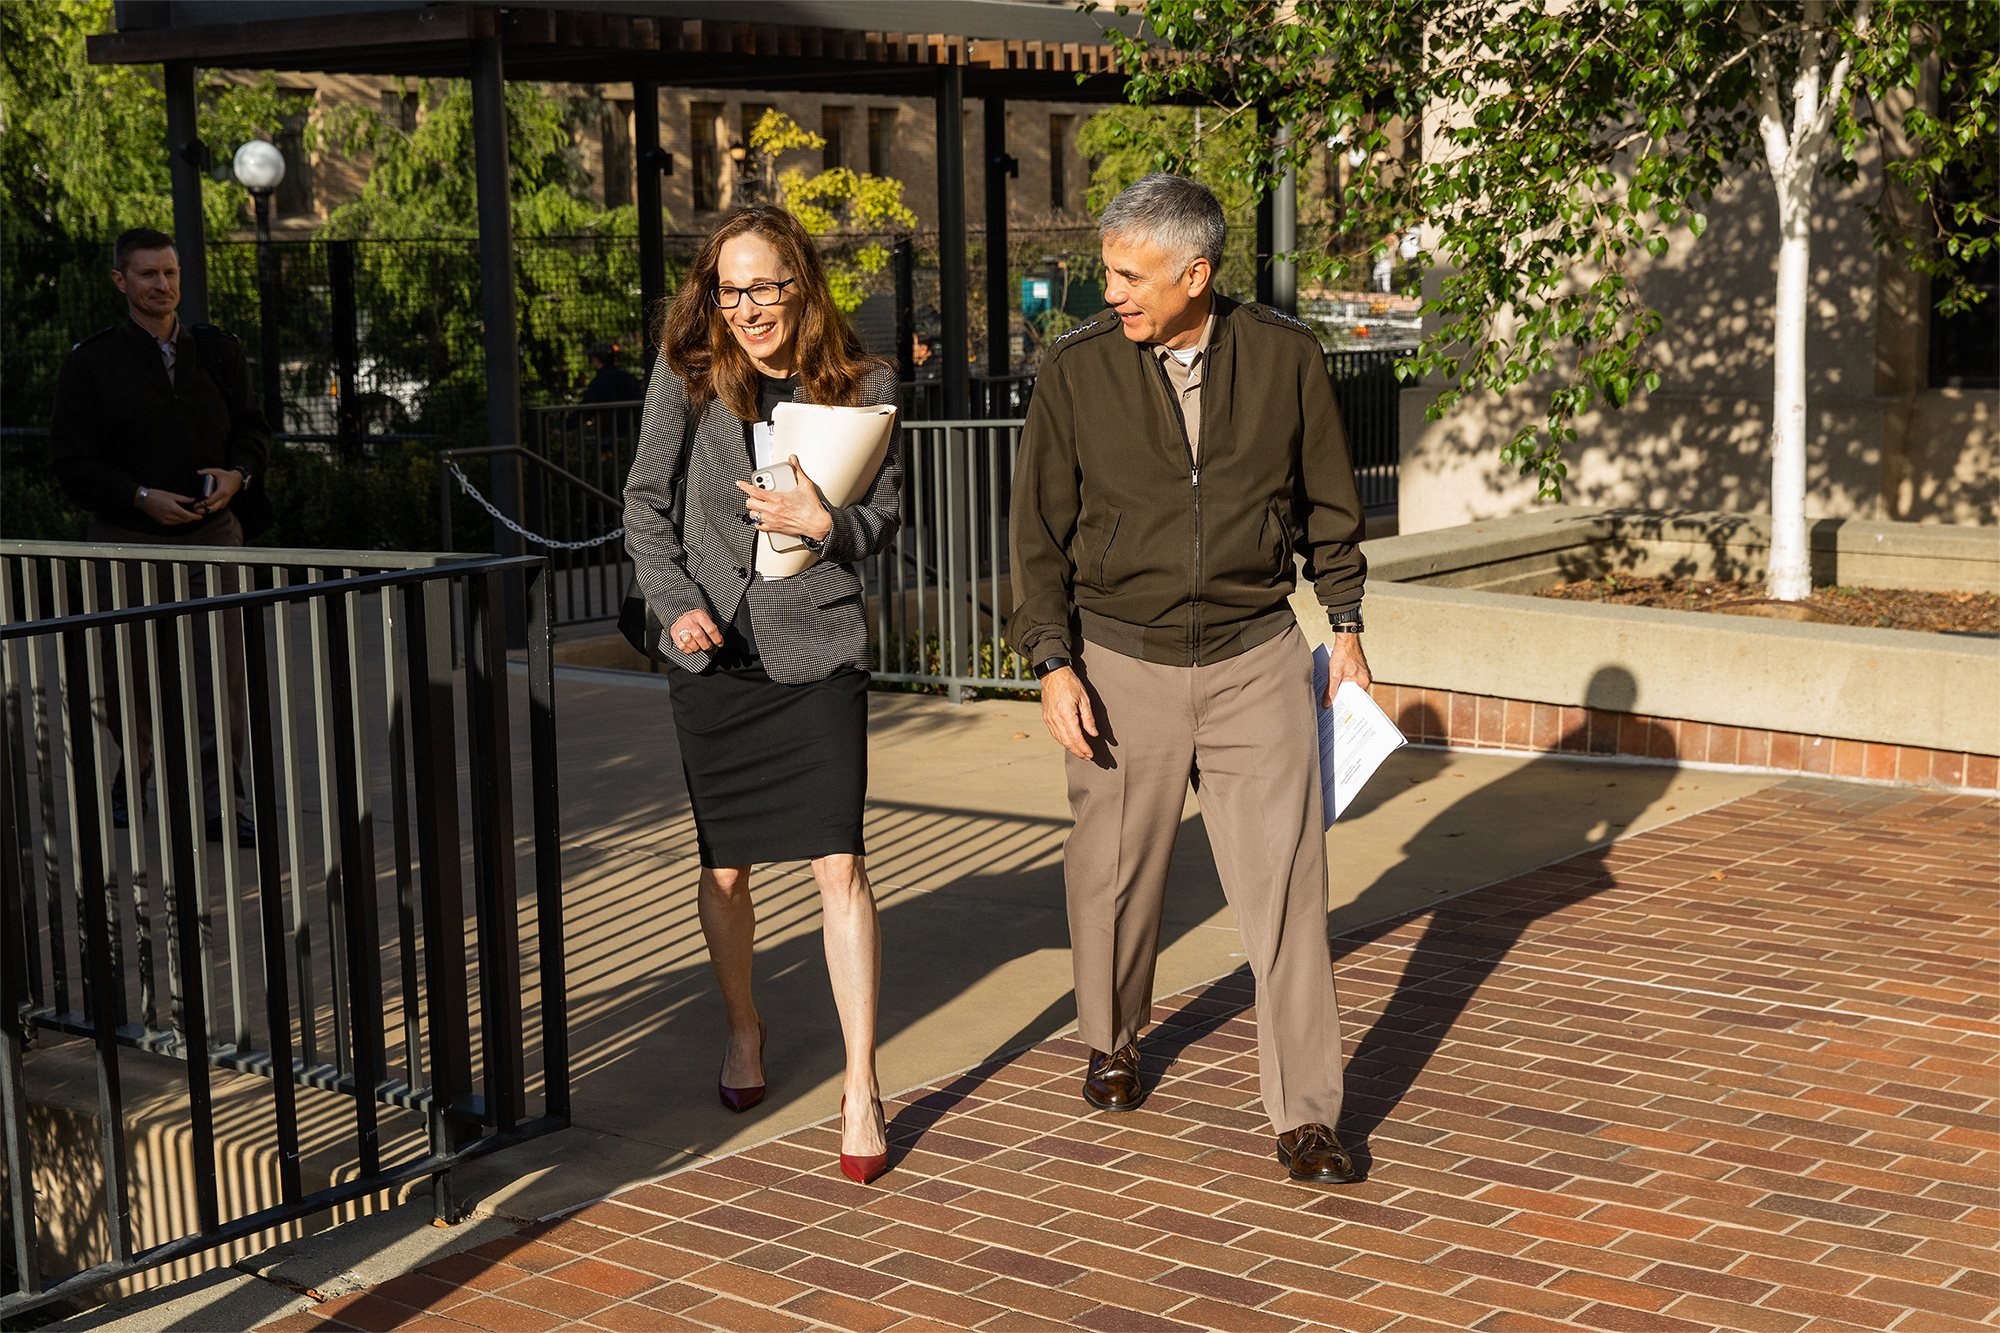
(1733, 1072)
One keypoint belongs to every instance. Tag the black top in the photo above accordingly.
(614, 384)
(120, 423)
(739, 639)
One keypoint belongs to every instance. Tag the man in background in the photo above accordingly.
(156, 434)
(609, 381)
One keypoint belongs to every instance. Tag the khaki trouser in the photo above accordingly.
(1244, 732)
(138, 767)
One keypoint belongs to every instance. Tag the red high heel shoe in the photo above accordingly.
(742, 1099)
(863, 1170)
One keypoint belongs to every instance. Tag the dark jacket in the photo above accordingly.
(614, 384)
(119, 424)
(1115, 531)
(807, 626)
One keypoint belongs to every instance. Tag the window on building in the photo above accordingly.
(833, 128)
(881, 138)
(1059, 162)
(400, 110)
(752, 113)
(295, 192)
(703, 117)
(615, 134)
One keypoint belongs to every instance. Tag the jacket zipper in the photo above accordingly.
(1194, 476)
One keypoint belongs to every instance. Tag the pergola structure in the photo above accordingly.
(993, 50)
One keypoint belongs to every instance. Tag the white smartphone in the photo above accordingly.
(777, 477)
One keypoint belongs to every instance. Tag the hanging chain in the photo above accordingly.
(466, 485)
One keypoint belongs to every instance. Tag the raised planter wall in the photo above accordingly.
(1465, 658)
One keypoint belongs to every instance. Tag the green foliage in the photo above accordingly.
(832, 203)
(83, 153)
(1561, 143)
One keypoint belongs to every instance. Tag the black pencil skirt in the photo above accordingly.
(776, 772)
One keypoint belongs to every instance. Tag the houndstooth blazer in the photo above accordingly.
(808, 625)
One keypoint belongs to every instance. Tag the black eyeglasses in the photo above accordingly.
(763, 293)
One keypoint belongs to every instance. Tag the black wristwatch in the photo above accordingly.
(1346, 622)
(1048, 664)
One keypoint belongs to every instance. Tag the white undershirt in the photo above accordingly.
(1185, 358)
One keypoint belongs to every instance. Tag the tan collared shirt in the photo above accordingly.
(1187, 380)
(169, 348)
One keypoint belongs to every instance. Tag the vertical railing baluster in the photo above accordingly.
(551, 972)
(295, 843)
(226, 779)
(16, 976)
(330, 849)
(101, 711)
(189, 736)
(433, 727)
(364, 957)
(270, 897)
(493, 848)
(179, 837)
(19, 850)
(399, 802)
(45, 789)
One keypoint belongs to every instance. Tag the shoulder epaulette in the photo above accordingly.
(1281, 319)
(1098, 325)
(108, 328)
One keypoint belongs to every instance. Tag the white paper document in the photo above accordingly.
(840, 448)
(1355, 736)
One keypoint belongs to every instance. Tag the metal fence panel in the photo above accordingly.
(292, 984)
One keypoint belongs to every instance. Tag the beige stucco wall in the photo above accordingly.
(1881, 444)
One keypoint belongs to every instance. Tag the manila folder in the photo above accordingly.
(840, 448)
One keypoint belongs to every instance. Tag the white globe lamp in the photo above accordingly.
(259, 166)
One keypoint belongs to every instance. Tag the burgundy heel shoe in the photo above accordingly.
(742, 1099)
(863, 1170)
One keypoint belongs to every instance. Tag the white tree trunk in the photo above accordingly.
(1790, 577)
(1793, 156)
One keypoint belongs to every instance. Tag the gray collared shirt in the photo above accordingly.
(1187, 380)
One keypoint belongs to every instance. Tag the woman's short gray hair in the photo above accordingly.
(1180, 216)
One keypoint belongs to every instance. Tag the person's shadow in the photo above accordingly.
(1467, 937)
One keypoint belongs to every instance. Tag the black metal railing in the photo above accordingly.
(565, 517)
(1370, 395)
(990, 398)
(354, 973)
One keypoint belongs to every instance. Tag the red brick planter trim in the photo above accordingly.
(1483, 722)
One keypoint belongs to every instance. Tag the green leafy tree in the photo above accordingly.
(83, 148)
(1563, 142)
(832, 205)
(1125, 143)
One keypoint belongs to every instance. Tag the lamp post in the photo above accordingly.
(259, 167)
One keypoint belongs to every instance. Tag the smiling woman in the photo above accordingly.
(767, 677)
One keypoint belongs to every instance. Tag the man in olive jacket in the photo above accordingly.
(156, 433)
(1181, 447)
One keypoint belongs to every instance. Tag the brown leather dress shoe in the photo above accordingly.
(1112, 1081)
(1312, 1154)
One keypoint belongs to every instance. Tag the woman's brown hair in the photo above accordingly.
(697, 345)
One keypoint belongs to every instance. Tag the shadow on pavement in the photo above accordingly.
(1466, 938)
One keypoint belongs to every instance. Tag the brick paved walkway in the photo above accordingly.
(1733, 1073)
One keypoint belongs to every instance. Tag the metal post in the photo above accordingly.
(952, 276)
(651, 164)
(346, 341)
(906, 312)
(1285, 231)
(187, 158)
(999, 166)
(267, 314)
(1266, 223)
(496, 286)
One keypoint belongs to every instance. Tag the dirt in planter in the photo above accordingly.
(1879, 608)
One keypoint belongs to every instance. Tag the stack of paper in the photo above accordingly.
(841, 449)
(1355, 736)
